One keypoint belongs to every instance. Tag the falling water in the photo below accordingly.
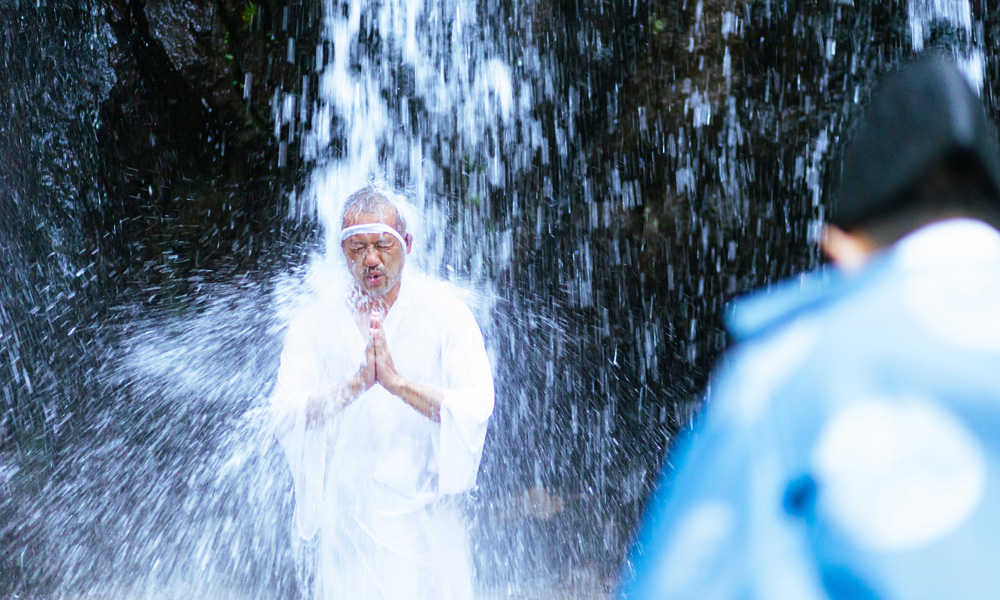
(601, 178)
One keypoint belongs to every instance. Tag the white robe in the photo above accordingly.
(376, 482)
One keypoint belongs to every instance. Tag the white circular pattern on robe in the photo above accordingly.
(898, 474)
(704, 533)
(766, 366)
(962, 305)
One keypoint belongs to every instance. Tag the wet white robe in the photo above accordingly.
(376, 482)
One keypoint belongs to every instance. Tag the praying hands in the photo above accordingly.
(377, 368)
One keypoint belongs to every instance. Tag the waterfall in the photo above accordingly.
(599, 178)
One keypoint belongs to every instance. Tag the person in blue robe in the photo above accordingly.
(850, 444)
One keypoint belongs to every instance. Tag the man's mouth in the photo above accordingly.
(374, 277)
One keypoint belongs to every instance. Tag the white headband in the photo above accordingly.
(371, 228)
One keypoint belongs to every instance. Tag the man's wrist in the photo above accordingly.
(394, 384)
(352, 390)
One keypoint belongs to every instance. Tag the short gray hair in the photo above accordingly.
(373, 198)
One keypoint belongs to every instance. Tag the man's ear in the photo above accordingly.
(849, 251)
(409, 242)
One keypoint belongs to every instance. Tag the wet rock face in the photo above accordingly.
(144, 153)
(138, 159)
(133, 156)
(187, 138)
(233, 53)
(184, 28)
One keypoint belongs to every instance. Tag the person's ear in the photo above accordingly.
(409, 242)
(848, 251)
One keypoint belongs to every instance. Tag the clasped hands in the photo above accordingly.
(377, 368)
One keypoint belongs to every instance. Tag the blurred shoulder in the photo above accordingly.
(439, 298)
(757, 372)
(317, 317)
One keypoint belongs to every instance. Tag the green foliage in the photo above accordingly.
(250, 11)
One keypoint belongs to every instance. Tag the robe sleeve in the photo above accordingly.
(467, 404)
(305, 448)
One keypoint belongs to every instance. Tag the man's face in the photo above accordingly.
(375, 259)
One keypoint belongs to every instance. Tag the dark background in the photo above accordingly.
(142, 184)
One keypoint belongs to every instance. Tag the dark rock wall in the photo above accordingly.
(139, 150)
(657, 216)
(141, 159)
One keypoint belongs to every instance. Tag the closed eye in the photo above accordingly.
(380, 246)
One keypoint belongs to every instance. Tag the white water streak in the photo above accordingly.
(922, 14)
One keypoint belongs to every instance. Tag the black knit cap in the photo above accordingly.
(921, 116)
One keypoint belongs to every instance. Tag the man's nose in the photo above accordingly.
(372, 258)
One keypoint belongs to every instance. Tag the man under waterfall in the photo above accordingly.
(851, 444)
(382, 402)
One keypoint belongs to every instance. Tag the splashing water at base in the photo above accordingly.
(595, 233)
